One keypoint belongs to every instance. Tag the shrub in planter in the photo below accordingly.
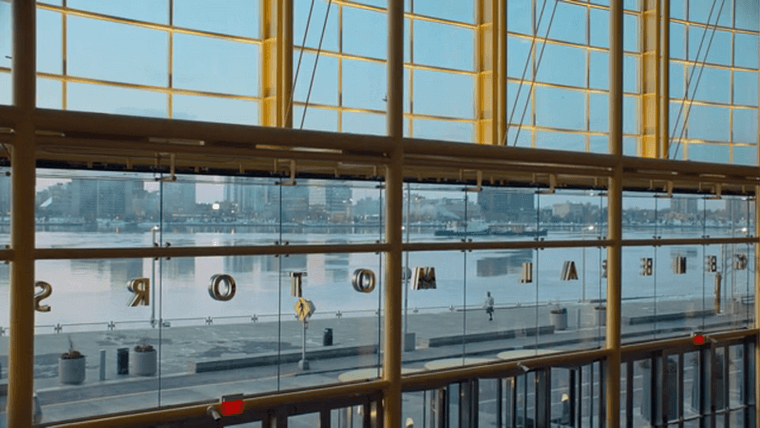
(71, 366)
(144, 360)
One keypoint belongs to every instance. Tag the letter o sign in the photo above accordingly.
(222, 287)
(364, 280)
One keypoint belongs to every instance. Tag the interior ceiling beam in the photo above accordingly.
(121, 142)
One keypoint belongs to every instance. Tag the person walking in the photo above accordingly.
(488, 305)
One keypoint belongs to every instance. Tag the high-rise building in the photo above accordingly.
(331, 199)
(506, 205)
(684, 205)
(251, 200)
(178, 199)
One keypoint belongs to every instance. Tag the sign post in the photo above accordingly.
(304, 309)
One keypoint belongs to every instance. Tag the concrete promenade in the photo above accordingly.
(355, 340)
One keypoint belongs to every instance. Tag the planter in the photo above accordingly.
(410, 341)
(71, 371)
(559, 318)
(145, 363)
(600, 315)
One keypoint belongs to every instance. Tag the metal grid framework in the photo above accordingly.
(685, 67)
(80, 138)
(489, 95)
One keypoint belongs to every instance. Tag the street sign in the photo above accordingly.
(304, 309)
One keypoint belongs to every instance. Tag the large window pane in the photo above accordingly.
(104, 50)
(363, 84)
(443, 94)
(443, 45)
(560, 108)
(235, 17)
(141, 10)
(215, 65)
(95, 210)
(213, 109)
(115, 100)
(49, 45)
(88, 314)
(360, 32)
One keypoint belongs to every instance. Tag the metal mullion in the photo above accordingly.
(366, 415)
(603, 391)
(572, 396)
(666, 392)
(614, 218)
(680, 390)
(170, 63)
(591, 394)
(719, 27)
(339, 75)
(525, 398)
(410, 14)
(756, 308)
(726, 390)
(532, 53)
(694, 241)
(499, 404)
(499, 245)
(687, 25)
(145, 24)
(324, 418)
(665, 81)
(411, 66)
(111, 83)
(708, 406)
(629, 394)
(394, 176)
(696, 63)
(145, 252)
(580, 396)
(588, 79)
(64, 57)
(512, 401)
(21, 290)
(746, 384)
(731, 87)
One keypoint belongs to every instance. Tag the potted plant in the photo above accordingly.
(71, 366)
(558, 317)
(145, 360)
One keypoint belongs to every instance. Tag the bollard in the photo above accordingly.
(122, 361)
(102, 364)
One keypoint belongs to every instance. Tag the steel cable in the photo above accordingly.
(535, 73)
(316, 61)
(686, 100)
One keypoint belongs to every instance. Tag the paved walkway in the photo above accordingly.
(182, 345)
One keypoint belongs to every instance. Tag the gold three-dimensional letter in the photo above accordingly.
(215, 287)
(364, 280)
(141, 288)
(47, 290)
(423, 278)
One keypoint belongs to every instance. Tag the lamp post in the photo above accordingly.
(583, 282)
(153, 230)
